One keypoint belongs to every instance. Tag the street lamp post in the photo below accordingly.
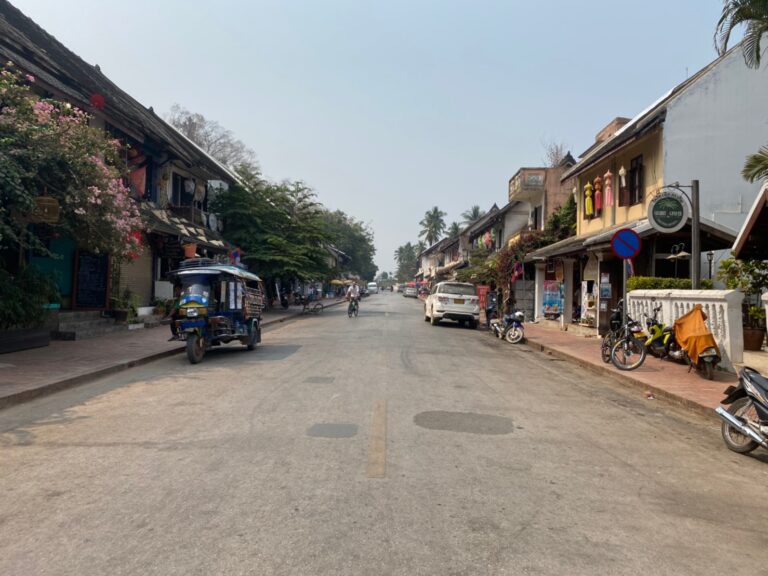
(710, 257)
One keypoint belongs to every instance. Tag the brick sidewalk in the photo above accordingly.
(663, 378)
(30, 373)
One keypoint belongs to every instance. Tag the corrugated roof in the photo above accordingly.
(38, 53)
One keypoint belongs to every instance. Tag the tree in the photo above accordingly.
(213, 138)
(48, 149)
(471, 215)
(279, 227)
(756, 166)
(753, 15)
(454, 230)
(407, 262)
(355, 239)
(554, 152)
(432, 225)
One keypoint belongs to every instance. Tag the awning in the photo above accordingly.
(715, 236)
(165, 222)
(452, 266)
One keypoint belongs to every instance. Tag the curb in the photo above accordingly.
(628, 381)
(52, 387)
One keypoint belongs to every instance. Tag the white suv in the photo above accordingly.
(453, 301)
(373, 288)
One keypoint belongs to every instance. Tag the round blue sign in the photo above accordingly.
(626, 244)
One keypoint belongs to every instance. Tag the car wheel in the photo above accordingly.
(426, 316)
(433, 319)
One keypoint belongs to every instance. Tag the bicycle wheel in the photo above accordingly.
(357, 307)
(317, 308)
(605, 347)
(628, 353)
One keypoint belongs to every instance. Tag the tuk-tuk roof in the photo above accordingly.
(216, 269)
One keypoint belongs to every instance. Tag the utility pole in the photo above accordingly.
(695, 237)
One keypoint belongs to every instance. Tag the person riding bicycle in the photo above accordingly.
(353, 295)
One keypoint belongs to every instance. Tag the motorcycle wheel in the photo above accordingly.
(195, 348)
(708, 369)
(605, 348)
(628, 354)
(735, 440)
(514, 335)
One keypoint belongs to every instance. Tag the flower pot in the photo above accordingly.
(121, 316)
(753, 338)
(189, 250)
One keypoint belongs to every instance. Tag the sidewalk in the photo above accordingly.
(31, 373)
(662, 378)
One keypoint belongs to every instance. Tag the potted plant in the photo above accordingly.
(751, 277)
(124, 306)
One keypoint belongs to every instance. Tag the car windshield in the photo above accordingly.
(463, 289)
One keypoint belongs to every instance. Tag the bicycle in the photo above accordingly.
(353, 308)
(610, 339)
(310, 308)
(628, 352)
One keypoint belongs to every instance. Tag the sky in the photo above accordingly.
(389, 108)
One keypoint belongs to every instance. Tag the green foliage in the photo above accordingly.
(432, 225)
(751, 277)
(48, 148)
(562, 222)
(753, 15)
(471, 215)
(482, 269)
(756, 166)
(355, 239)
(406, 257)
(23, 297)
(654, 283)
(454, 230)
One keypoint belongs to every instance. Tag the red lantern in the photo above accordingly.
(98, 101)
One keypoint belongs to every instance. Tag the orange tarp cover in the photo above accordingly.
(693, 335)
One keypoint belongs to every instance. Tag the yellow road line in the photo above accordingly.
(377, 450)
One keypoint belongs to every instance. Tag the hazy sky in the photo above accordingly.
(389, 108)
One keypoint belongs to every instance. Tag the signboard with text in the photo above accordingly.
(668, 211)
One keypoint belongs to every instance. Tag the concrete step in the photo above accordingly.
(93, 332)
(78, 315)
(73, 326)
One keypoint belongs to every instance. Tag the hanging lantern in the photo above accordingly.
(589, 208)
(97, 101)
(598, 194)
(608, 177)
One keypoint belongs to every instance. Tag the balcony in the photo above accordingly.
(528, 186)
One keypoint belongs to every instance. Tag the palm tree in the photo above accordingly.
(454, 230)
(756, 166)
(432, 225)
(472, 214)
(753, 14)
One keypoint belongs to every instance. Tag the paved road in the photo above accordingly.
(376, 445)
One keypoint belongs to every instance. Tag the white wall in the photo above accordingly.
(709, 131)
(515, 219)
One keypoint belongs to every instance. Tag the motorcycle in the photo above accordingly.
(745, 424)
(510, 328)
(657, 335)
(693, 343)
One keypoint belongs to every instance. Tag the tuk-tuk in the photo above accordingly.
(216, 305)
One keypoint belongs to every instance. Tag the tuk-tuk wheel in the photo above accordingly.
(195, 348)
(253, 335)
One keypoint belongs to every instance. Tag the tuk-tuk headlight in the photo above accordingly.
(192, 312)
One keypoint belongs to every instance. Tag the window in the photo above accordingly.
(635, 182)
(536, 218)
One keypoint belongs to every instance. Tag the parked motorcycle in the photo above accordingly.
(509, 328)
(693, 343)
(657, 335)
(745, 423)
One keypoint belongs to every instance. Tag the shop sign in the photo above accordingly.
(668, 211)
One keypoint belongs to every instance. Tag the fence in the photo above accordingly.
(722, 308)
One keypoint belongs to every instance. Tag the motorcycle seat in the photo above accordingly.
(756, 378)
